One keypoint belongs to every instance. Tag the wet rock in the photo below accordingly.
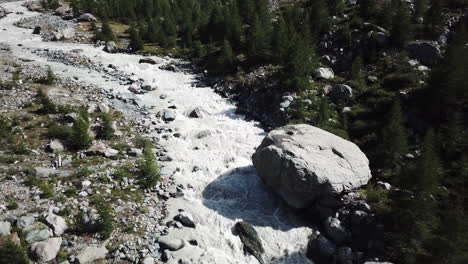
(196, 113)
(324, 73)
(321, 250)
(249, 237)
(57, 223)
(172, 244)
(87, 17)
(168, 116)
(37, 235)
(301, 163)
(45, 251)
(91, 254)
(185, 219)
(55, 146)
(110, 47)
(147, 60)
(5, 228)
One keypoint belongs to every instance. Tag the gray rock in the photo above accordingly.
(426, 52)
(324, 73)
(249, 237)
(64, 11)
(341, 92)
(42, 172)
(185, 219)
(55, 146)
(136, 152)
(37, 235)
(100, 149)
(168, 115)
(45, 251)
(148, 260)
(196, 113)
(103, 108)
(110, 47)
(302, 163)
(147, 60)
(87, 17)
(321, 250)
(172, 244)
(336, 230)
(379, 38)
(148, 87)
(58, 224)
(3, 12)
(25, 221)
(5, 228)
(91, 254)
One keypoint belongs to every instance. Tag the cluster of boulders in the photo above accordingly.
(317, 172)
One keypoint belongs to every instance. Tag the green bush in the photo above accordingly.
(48, 107)
(149, 169)
(10, 253)
(49, 79)
(13, 205)
(47, 190)
(106, 217)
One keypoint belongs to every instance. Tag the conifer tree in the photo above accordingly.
(81, 138)
(106, 32)
(136, 43)
(434, 19)
(394, 142)
(420, 8)
(400, 31)
(226, 58)
(428, 173)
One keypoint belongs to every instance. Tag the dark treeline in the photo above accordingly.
(417, 142)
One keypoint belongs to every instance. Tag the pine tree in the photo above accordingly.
(136, 43)
(401, 30)
(420, 8)
(428, 172)
(434, 19)
(106, 32)
(107, 131)
(226, 58)
(81, 138)
(280, 40)
(394, 141)
(336, 7)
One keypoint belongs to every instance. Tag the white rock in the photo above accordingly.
(325, 73)
(58, 224)
(5, 228)
(46, 250)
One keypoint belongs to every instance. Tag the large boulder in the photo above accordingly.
(45, 251)
(426, 52)
(341, 92)
(302, 163)
(5, 228)
(172, 244)
(37, 235)
(249, 237)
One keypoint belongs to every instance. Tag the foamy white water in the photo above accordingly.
(219, 167)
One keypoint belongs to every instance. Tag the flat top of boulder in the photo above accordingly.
(302, 162)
